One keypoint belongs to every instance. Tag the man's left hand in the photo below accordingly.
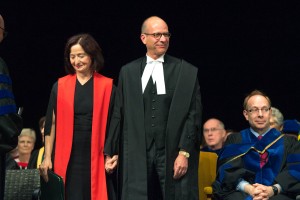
(180, 166)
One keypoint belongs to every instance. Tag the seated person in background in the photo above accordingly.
(214, 135)
(42, 126)
(276, 120)
(291, 128)
(40, 157)
(13, 154)
(27, 158)
(260, 162)
(230, 131)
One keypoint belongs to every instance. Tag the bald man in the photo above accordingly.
(214, 134)
(10, 124)
(157, 116)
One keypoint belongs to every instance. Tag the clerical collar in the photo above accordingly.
(160, 59)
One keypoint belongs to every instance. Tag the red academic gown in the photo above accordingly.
(65, 126)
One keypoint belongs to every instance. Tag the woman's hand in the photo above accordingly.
(111, 163)
(44, 167)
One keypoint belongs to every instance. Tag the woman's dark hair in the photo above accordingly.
(90, 46)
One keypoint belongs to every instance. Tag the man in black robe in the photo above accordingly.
(155, 126)
(260, 162)
(10, 124)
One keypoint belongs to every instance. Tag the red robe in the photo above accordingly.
(65, 126)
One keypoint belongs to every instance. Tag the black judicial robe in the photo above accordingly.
(183, 131)
(240, 159)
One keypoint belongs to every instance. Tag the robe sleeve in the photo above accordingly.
(229, 174)
(191, 133)
(289, 177)
(113, 133)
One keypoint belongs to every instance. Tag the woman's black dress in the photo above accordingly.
(78, 177)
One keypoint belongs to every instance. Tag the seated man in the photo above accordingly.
(260, 162)
(214, 134)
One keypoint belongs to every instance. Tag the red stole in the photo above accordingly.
(65, 124)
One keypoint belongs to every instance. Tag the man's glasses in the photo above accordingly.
(211, 130)
(158, 35)
(256, 110)
(4, 32)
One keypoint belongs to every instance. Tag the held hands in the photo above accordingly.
(259, 191)
(180, 166)
(111, 163)
(44, 167)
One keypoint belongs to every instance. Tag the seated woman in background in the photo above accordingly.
(27, 157)
(40, 157)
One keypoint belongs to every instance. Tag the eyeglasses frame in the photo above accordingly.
(166, 35)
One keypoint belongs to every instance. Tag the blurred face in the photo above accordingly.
(274, 124)
(25, 145)
(258, 113)
(42, 131)
(156, 47)
(80, 60)
(214, 134)
(1, 28)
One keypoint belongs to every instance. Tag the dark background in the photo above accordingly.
(238, 46)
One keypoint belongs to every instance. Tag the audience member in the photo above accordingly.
(157, 116)
(276, 120)
(25, 160)
(260, 162)
(291, 128)
(13, 153)
(42, 127)
(230, 131)
(214, 135)
(76, 121)
(40, 157)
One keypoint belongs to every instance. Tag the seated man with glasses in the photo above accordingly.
(260, 162)
(214, 134)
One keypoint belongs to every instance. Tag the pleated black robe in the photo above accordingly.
(127, 131)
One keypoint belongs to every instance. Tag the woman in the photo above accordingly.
(26, 142)
(76, 121)
(42, 149)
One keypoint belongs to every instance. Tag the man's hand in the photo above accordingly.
(259, 191)
(111, 163)
(180, 166)
(266, 193)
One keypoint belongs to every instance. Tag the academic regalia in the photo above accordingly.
(182, 129)
(81, 119)
(10, 123)
(240, 159)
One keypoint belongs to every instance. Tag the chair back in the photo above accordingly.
(21, 184)
(206, 173)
